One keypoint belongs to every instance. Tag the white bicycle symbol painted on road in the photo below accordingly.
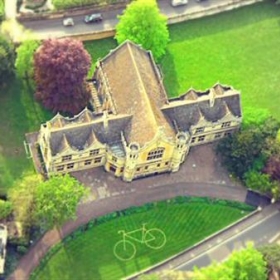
(125, 250)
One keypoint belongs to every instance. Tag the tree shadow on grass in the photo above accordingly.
(19, 114)
(170, 80)
(225, 21)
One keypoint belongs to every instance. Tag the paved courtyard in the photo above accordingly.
(201, 166)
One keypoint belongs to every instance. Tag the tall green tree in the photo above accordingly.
(258, 181)
(240, 150)
(22, 197)
(25, 58)
(57, 200)
(7, 58)
(143, 24)
(6, 209)
(271, 253)
(247, 264)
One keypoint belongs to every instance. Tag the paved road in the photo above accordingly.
(260, 233)
(54, 27)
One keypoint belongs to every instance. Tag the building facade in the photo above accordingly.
(134, 130)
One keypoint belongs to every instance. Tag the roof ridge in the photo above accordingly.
(143, 91)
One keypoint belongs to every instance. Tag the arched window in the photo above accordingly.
(156, 153)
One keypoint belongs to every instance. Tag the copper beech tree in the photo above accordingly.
(61, 67)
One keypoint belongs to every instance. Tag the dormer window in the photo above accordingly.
(225, 124)
(65, 158)
(156, 153)
(199, 130)
(94, 152)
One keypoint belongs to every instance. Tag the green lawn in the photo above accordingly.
(19, 114)
(239, 48)
(90, 255)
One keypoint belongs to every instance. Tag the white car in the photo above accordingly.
(68, 22)
(176, 3)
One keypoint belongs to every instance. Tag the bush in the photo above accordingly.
(22, 249)
(20, 241)
(6, 209)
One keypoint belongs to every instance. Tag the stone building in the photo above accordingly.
(134, 129)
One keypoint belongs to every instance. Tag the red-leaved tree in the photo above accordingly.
(61, 67)
(273, 167)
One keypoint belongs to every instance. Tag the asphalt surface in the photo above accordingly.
(260, 233)
(54, 27)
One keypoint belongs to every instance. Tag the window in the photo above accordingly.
(65, 158)
(97, 160)
(146, 167)
(227, 134)
(193, 140)
(138, 169)
(166, 163)
(60, 168)
(114, 159)
(201, 138)
(70, 165)
(156, 153)
(94, 152)
(158, 165)
(113, 168)
(218, 135)
(121, 170)
(199, 130)
(225, 124)
(88, 162)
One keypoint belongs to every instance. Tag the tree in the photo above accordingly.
(57, 200)
(22, 198)
(271, 253)
(143, 24)
(240, 150)
(258, 181)
(273, 167)
(61, 67)
(16, 32)
(7, 58)
(249, 148)
(25, 58)
(5, 209)
(246, 264)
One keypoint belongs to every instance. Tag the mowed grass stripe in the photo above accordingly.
(90, 255)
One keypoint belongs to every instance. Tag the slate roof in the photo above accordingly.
(136, 89)
(187, 109)
(80, 136)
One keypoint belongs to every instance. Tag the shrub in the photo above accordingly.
(22, 249)
(5, 209)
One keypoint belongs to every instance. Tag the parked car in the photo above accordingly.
(68, 22)
(176, 3)
(93, 18)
